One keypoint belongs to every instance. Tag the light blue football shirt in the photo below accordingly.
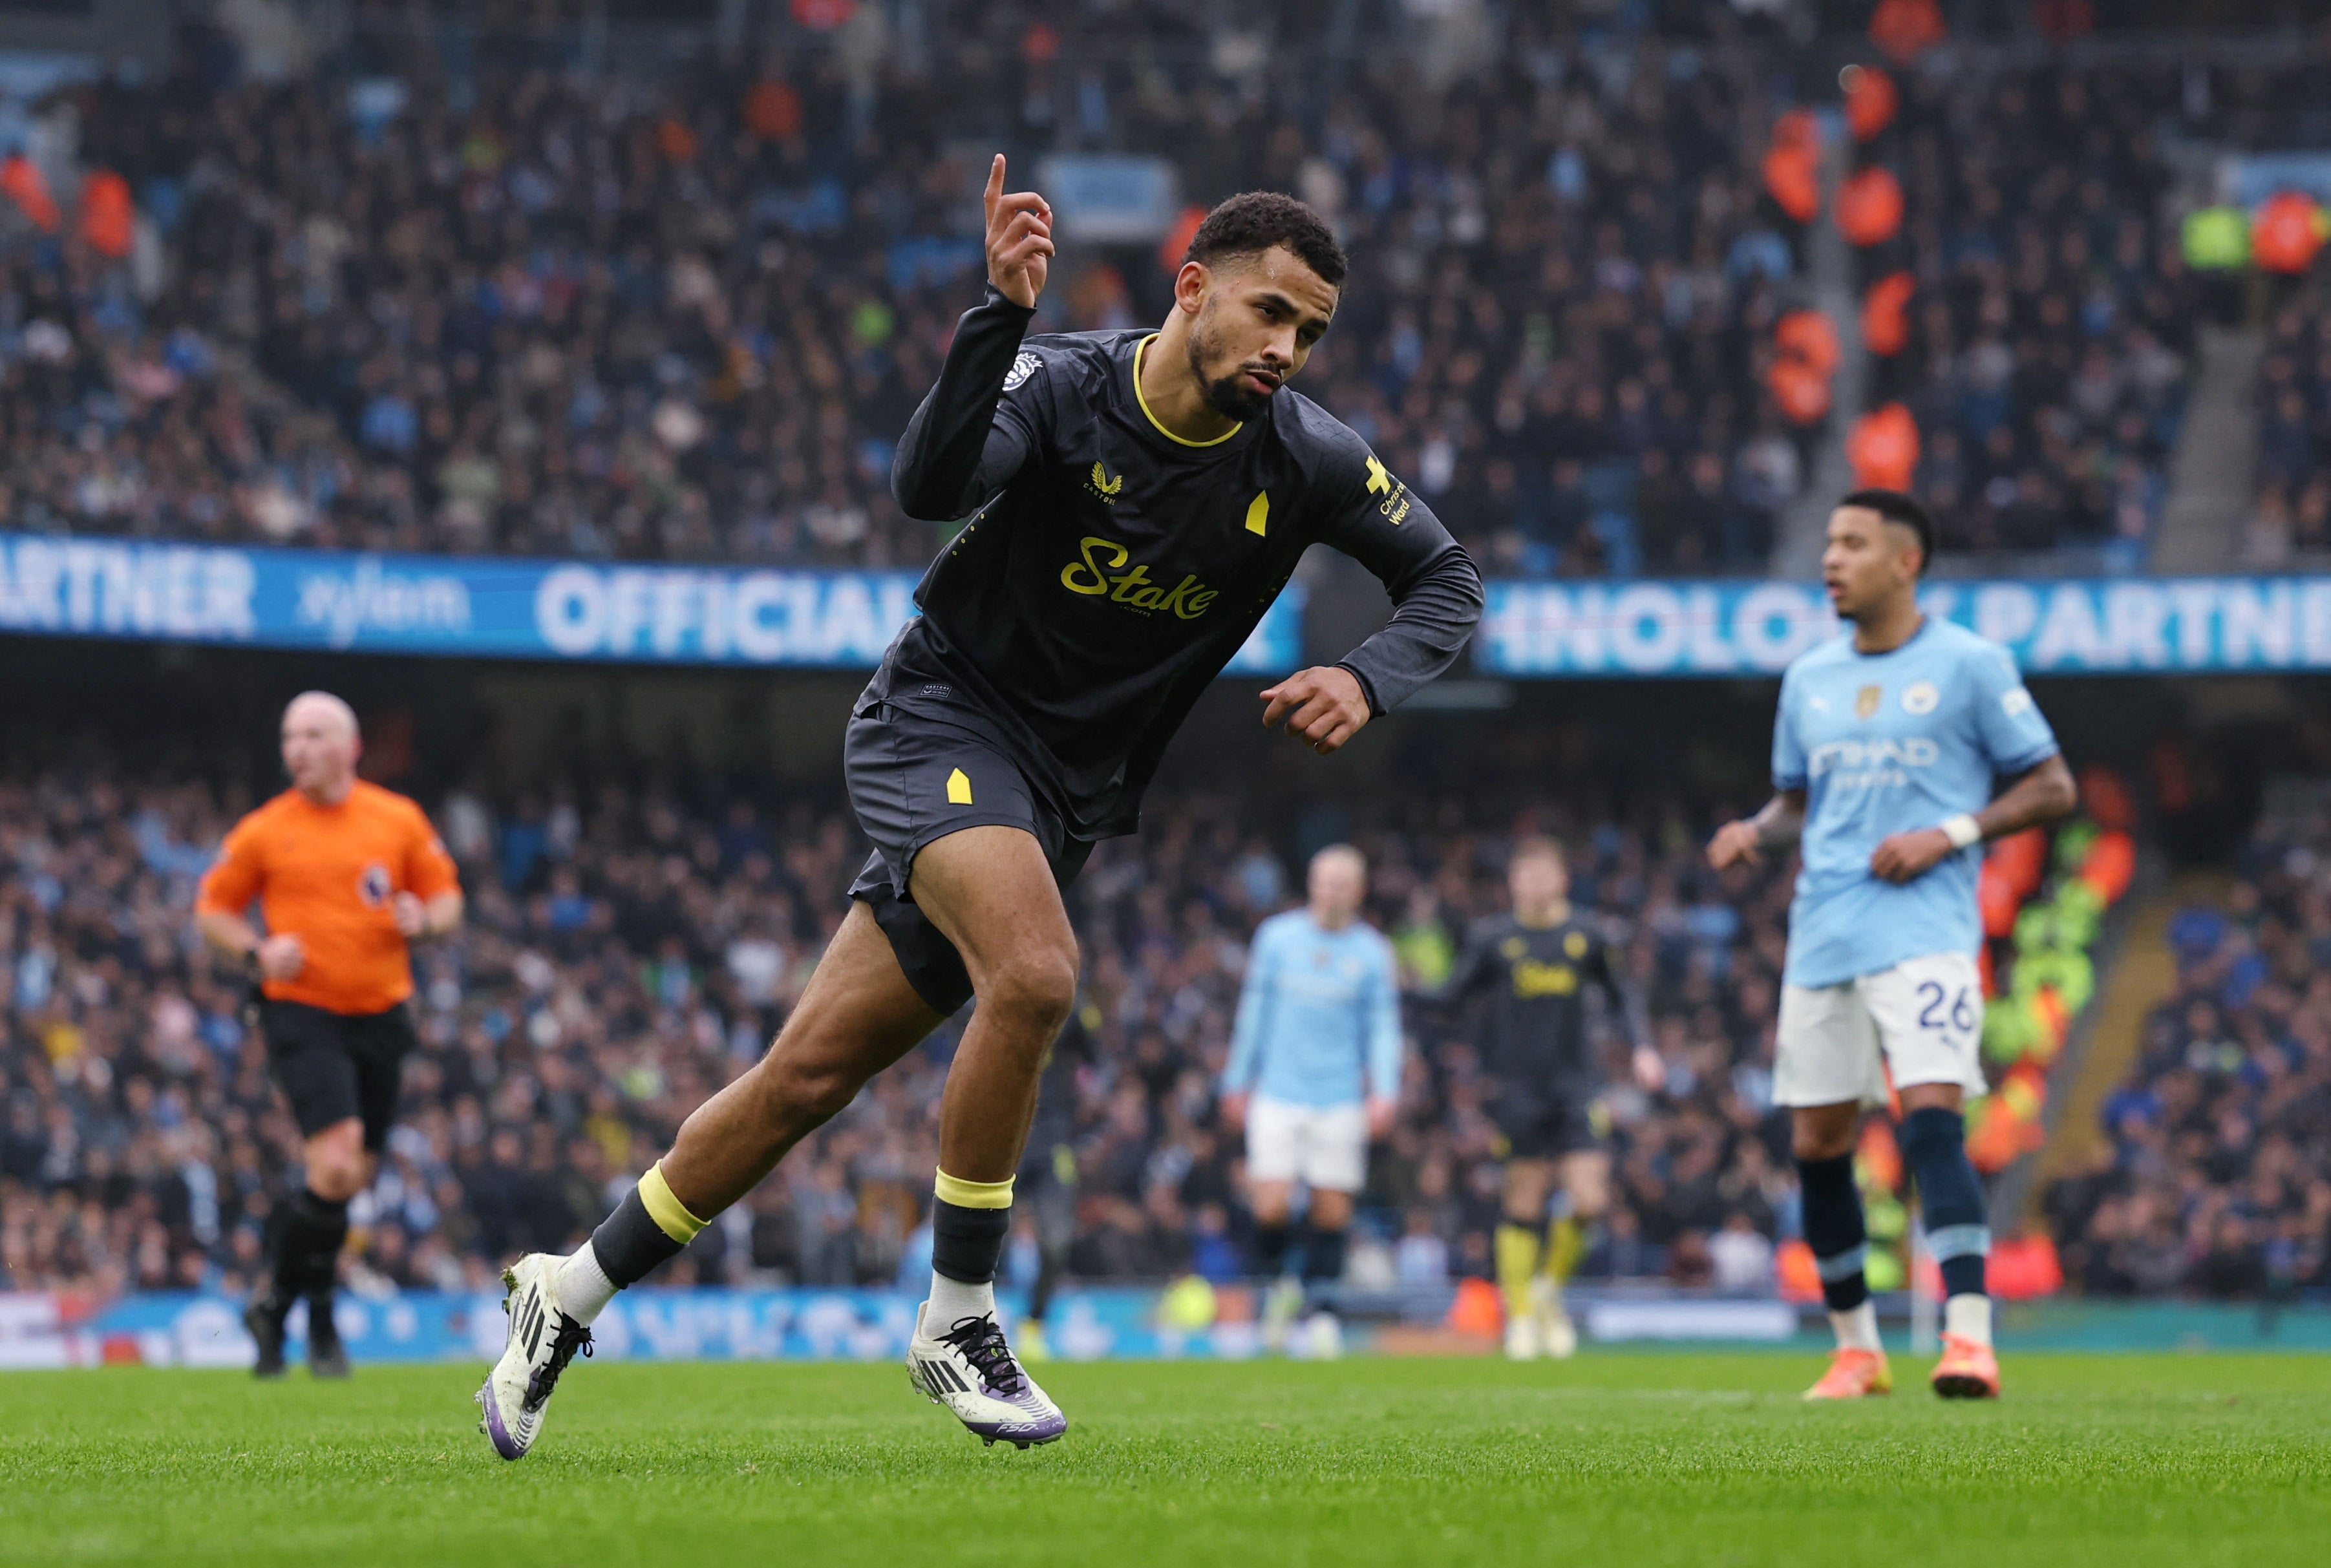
(1319, 1010)
(1884, 744)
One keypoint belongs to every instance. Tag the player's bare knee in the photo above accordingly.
(1034, 989)
(794, 1087)
(336, 1177)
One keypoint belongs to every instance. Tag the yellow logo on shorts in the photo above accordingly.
(958, 788)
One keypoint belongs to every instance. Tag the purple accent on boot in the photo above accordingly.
(504, 1444)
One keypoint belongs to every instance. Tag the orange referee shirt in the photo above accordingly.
(325, 874)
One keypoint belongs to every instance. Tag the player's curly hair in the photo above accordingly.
(1252, 221)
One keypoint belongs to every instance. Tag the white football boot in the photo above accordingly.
(542, 1340)
(968, 1368)
(1323, 1337)
(1523, 1340)
(1281, 1305)
(1557, 1336)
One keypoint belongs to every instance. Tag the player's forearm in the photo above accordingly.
(230, 934)
(1383, 1067)
(1433, 617)
(1780, 824)
(2045, 794)
(939, 473)
(442, 916)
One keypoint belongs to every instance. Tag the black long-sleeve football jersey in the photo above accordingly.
(1522, 991)
(1109, 569)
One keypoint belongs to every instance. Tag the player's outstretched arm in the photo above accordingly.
(1770, 832)
(969, 440)
(2042, 794)
(1436, 596)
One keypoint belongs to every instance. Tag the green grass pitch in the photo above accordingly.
(1615, 1459)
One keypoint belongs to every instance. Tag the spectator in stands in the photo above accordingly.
(2212, 1181)
(483, 307)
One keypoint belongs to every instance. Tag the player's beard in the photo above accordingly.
(1228, 395)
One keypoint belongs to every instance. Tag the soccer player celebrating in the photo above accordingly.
(1314, 1074)
(346, 876)
(1525, 975)
(1132, 503)
(1885, 752)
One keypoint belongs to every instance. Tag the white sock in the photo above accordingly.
(1856, 1329)
(952, 1301)
(1968, 1316)
(583, 1287)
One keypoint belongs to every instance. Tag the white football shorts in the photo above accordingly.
(1924, 1014)
(1321, 1146)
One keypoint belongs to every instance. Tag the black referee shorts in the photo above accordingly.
(913, 780)
(336, 1065)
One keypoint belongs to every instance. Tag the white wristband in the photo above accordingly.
(1962, 830)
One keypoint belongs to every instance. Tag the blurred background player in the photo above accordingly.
(1046, 1186)
(1314, 1075)
(1523, 978)
(346, 874)
(1885, 750)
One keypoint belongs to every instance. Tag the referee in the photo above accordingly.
(346, 874)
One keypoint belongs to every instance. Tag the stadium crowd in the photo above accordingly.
(528, 312)
(627, 952)
(2051, 337)
(2212, 1178)
(2293, 510)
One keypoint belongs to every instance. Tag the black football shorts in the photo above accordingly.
(914, 780)
(336, 1065)
(1547, 1125)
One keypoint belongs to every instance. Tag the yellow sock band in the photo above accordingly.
(1565, 1248)
(965, 1194)
(1516, 1259)
(671, 1215)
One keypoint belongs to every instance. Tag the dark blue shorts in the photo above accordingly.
(913, 780)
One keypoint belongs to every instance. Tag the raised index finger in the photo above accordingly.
(995, 187)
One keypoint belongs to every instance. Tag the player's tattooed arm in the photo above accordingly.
(2040, 794)
(969, 440)
(1770, 831)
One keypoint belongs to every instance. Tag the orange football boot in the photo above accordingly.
(1967, 1370)
(1853, 1375)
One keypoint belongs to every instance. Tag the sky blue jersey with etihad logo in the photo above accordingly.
(1884, 744)
(1318, 1016)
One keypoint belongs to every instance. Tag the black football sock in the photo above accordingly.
(1271, 1242)
(647, 1228)
(1323, 1265)
(969, 1221)
(1834, 1229)
(1959, 1232)
(308, 1247)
